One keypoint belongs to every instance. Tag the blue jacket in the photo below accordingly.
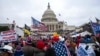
(18, 53)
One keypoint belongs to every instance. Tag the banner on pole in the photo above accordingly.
(8, 36)
(81, 52)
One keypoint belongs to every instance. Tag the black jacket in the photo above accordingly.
(50, 52)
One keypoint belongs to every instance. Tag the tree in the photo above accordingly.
(4, 28)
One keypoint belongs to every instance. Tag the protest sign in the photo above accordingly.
(7, 36)
(81, 52)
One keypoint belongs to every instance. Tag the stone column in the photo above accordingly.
(55, 27)
(50, 27)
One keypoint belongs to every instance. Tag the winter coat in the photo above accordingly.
(50, 52)
(28, 50)
(38, 52)
(18, 53)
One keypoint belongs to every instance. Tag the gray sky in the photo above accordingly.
(74, 12)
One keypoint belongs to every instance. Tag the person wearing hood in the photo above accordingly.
(28, 50)
(50, 51)
(18, 51)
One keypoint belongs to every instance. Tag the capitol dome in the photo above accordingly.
(49, 15)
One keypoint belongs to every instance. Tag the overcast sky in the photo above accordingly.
(74, 12)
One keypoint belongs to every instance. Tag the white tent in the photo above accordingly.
(85, 33)
(82, 34)
(75, 35)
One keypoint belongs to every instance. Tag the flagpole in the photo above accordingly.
(8, 23)
(92, 27)
(31, 22)
(94, 33)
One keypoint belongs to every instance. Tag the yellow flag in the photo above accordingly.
(27, 31)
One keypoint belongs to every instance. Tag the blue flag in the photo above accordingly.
(95, 27)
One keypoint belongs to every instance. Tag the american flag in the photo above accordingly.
(61, 49)
(38, 25)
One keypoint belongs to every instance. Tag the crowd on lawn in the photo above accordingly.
(53, 46)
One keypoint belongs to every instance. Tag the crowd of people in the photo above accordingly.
(33, 46)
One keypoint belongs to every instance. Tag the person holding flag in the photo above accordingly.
(96, 30)
(61, 48)
(95, 27)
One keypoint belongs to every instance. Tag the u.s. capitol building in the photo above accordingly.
(50, 20)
